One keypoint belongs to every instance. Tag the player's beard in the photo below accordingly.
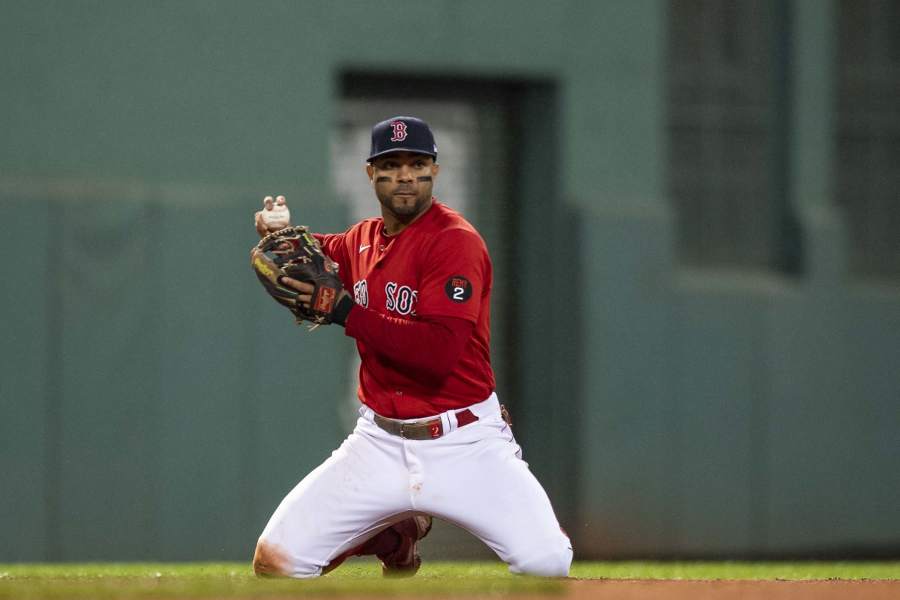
(405, 207)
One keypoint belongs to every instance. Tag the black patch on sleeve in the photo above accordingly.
(458, 288)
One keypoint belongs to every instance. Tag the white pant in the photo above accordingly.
(471, 476)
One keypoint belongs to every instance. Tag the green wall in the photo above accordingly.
(670, 412)
(148, 407)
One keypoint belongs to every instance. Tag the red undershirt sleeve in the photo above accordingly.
(430, 346)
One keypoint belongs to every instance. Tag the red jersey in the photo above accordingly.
(437, 267)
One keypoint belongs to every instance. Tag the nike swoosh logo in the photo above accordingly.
(364, 247)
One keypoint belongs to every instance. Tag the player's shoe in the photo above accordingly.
(405, 560)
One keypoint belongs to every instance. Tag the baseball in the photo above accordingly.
(275, 214)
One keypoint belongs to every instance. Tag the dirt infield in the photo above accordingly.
(618, 589)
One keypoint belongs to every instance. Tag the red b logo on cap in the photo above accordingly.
(399, 131)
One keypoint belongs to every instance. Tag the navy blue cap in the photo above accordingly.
(402, 134)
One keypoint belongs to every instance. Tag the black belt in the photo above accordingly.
(427, 429)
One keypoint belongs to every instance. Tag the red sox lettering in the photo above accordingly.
(361, 293)
(400, 298)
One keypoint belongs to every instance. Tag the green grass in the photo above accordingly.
(235, 580)
(145, 580)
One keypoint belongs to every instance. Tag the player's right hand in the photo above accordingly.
(273, 216)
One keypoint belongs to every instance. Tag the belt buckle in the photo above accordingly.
(410, 431)
(436, 428)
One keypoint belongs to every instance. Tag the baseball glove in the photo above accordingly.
(294, 253)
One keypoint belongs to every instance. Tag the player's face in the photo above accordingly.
(403, 182)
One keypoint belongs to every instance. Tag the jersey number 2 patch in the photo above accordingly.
(458, 288)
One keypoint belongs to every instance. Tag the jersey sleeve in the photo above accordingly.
(430, 348)
(456, 276)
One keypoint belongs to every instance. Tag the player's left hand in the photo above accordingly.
(306, 290)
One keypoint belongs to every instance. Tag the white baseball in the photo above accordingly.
(276, 215)
(277, 218)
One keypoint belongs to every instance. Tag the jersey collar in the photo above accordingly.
(427, 215)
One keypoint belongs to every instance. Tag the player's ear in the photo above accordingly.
(370, 171)
(435, 168)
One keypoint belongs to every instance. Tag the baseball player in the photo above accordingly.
(430, 439)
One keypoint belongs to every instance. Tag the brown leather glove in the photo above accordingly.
(293, 252)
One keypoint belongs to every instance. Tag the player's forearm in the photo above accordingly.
(431, 347)
(332, 245)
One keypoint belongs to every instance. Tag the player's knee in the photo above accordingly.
(547, 562)
(268, 561)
